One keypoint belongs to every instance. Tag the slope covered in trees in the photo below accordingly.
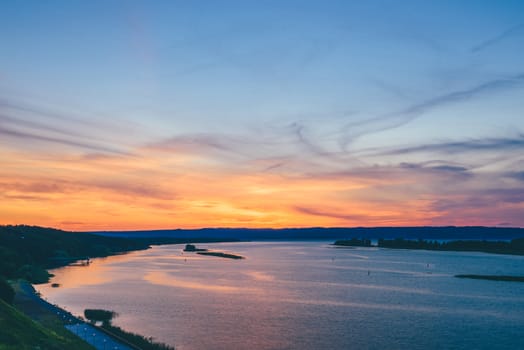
(26, 251)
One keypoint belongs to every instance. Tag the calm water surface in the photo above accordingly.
(303, 295)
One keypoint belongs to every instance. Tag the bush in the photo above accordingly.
(7, 293)
(34, 274)
(99, 315)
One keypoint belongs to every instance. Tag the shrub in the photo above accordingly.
(99, 315)
(7, 293)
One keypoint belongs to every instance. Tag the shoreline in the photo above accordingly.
(513, 247)
(33, 305)
(504, 278)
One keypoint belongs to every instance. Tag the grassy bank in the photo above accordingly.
(26, 252)
(19, 332)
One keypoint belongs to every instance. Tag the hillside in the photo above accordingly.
(19, 332)
(27, 251)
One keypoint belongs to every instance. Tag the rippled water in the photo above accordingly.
(303, 295)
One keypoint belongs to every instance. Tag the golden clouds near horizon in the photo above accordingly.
(155, 190)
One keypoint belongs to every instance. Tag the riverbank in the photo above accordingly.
(493, 277)
(195, 303)
(60, 321)
(25, 255)
(28, 251)
(513, 247)
(20, 332)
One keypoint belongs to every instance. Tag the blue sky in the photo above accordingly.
(303, 87)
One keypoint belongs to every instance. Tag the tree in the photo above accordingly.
(99, 315)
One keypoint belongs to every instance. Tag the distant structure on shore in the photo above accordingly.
(193, 248)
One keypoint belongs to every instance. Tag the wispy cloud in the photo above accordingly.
(491, 202)
(24, 124)
(213, 146)
(454, 147)
(440, 170)
(19, 106)
(508, 33)
(17, 123)
(355, 218)
(129, 188)
(31, 137)
(298, 129)
(337, 215)
(518, 175)
(50, 186)
(354, 130)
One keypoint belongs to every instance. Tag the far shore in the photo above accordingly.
(494, 277)
(513, 247)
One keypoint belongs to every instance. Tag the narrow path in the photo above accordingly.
(31, 304)
(95, 337)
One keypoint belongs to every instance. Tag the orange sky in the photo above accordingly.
(155, 189)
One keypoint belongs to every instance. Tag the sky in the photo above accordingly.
(122, 115)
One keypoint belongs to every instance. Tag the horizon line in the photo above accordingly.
(272, 228)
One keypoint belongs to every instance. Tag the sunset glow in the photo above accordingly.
(161, 115)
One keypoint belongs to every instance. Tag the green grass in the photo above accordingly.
(19, 332)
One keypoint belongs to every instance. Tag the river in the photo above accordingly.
(302, 295)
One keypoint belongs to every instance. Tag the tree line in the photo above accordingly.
(515, 246)
(26, 252)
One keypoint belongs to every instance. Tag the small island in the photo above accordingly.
(192, 248)
(222, 255)
(494, 277)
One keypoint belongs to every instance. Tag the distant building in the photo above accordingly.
(190, 248)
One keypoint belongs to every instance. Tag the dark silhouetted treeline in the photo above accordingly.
(354, 242)
(515, 246)
(494, 278)
(27, 251)
(334, 233)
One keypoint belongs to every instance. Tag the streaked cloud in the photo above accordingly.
(506, 34)
(25, 125)
(354, 130)
(484, 145)
(354, 218)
